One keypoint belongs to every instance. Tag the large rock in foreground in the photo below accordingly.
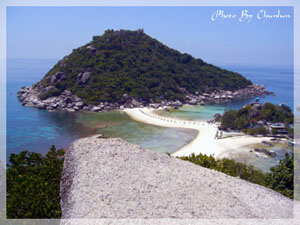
(110, 178)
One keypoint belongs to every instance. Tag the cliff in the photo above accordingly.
(110, 178)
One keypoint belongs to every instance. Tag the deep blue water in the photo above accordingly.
(36, 130)
(278, 80)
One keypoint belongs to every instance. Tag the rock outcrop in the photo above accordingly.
(110, 178)
(30, 96)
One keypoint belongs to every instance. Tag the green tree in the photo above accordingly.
(33, 182)
(141, 65)
(228, 119)
(281, 178)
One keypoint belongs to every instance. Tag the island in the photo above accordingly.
(128, 69)
(260, 119)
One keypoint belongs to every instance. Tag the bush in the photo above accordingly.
(248, 116)
(228, 119)
(282, 177)
(51, 93)
(279, 179)
(33, 184)
(260, 130)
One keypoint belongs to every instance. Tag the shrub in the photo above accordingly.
(51, 93)
(280, 177)
(33, 184)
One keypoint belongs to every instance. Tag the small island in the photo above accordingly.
(128, 69)
(260, 119)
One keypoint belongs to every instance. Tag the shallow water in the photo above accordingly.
(36, 130)
(260, 161)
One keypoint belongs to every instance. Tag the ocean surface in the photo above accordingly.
(36, 130)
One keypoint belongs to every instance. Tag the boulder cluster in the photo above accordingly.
(29, 96)
(66, 101)
(254, 90)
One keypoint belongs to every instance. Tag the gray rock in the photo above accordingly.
(86, 108)
(70, 109)
(54, 106)
(110, 178)
(83, 77)
(217, 117)
(30, 104)
(50, 88)
(77, 99)
(56, 77)
(177, 103)
(67, 93)
(193, 102)
(79, 104)
(40, 105)
(135, 103)
(96, 109)
(91, 48)
(69, 100)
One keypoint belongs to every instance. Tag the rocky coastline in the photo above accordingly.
(66, 101)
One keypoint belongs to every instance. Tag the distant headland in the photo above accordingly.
(128, 69)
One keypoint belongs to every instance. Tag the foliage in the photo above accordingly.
(33, 184)
(133, 63)
(33, 180)
(258, 130)
(50, 93)
(229, 119)
(280, 177)
(247, 117)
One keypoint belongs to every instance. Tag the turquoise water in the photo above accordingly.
(263, 163)
(36, 130)
(277, 80)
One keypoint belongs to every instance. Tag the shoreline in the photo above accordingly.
(36, 96)
(205, 141)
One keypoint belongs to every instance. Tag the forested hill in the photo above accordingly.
(132, 63)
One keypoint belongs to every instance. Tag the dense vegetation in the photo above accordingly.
(246, 118)
(33, 183)
(133, 63)
(33, 180)
(281, 177)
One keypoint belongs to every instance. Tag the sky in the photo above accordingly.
(52, 32)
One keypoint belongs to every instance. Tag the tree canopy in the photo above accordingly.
(247, 117)
(280, 178)
(131, 62)
(33, 184)
(33, 180)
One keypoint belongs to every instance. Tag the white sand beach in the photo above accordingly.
(205, 142)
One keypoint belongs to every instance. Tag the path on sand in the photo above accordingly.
(205, 142)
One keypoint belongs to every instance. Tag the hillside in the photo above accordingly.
(125, 65)
(110, 178)
(259, 118)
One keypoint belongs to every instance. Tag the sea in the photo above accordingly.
(37, 130)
